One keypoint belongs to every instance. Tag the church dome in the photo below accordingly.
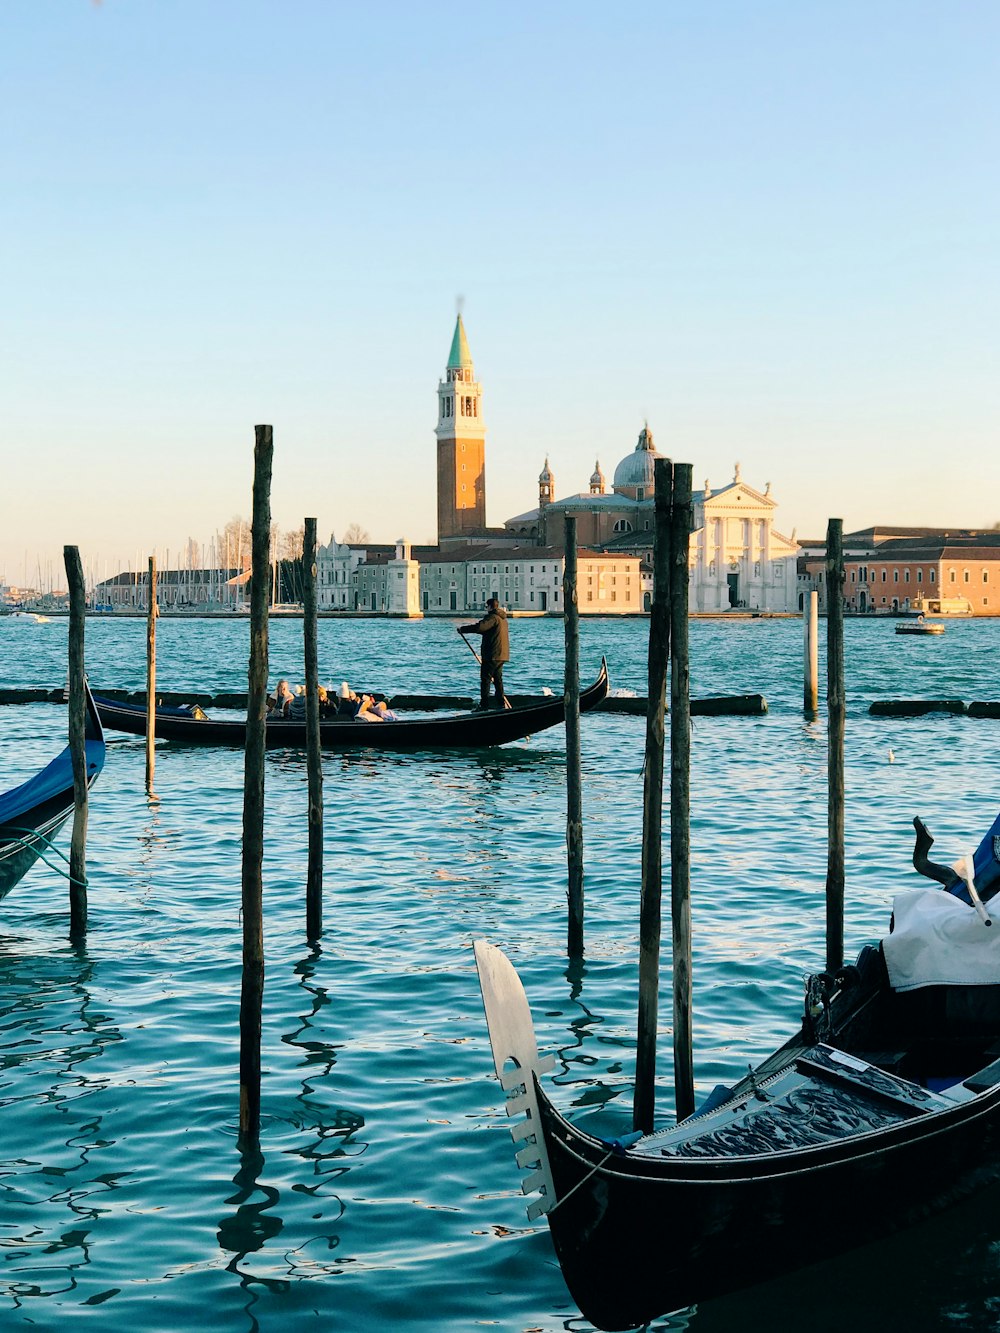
(636, 468)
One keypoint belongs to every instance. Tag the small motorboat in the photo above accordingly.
(32, 814)
(920, 626)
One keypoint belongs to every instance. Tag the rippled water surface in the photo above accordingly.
(385, 1193)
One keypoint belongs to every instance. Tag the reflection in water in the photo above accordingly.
(323, 1139)
(43, 1259)
(593, 1094)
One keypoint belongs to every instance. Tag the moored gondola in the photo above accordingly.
(882, 1108)
(32, 814)
(469, 730)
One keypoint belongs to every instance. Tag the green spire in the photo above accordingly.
(460, 355)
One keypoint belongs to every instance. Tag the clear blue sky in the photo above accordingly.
(770, 228)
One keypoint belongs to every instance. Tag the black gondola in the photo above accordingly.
(469, 730)
(32, 814)
(884, 1107)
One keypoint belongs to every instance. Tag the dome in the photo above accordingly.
(636, 468)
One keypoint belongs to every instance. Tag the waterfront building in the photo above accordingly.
(529, 578)
(176, 590)
(891, 570)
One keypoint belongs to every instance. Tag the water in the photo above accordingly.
(386, 1192)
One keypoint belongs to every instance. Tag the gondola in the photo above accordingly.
(467, 730)
(884, 1107)
(32, 814)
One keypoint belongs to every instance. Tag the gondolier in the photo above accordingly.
(496, 651)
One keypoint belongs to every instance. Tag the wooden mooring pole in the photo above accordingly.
(77, 743)
(680, 789)
(574, 794)
(810, 693)
(252, 992)
(151, 679)
(836, 712)
(652, 805)
(314, 763)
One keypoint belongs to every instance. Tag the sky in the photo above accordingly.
(769, 229)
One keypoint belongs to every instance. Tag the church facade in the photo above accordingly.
(738, 560)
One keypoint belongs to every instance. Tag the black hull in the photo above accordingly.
(472, 730)
(633, 1246)
(41, 807)
(888, 1112)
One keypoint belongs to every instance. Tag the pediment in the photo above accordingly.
(735, 497)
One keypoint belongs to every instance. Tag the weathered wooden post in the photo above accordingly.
(836, 711)
(652, 804)
(810, 695)
(252, 992)
(77, 743)
(151, 680)
(574, 795)
(680, 789)
(314, 763)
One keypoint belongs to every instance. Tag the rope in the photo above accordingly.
(618, 1148)
(32, 843)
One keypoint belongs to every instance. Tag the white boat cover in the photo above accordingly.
(938, 940)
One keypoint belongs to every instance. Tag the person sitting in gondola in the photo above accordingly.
(360, 707)
(297, 707)
(279, 703)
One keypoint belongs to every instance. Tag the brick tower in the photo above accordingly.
(461, 446)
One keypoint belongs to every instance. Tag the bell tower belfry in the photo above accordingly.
(461, 445)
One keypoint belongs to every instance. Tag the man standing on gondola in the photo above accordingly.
(496, 651)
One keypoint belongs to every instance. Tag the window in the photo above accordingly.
(622, 525)
(895, 576)
(640, 492)
(986, 576)
(965, 576)
(931, 575)
(906, 576)
(590, 596)
(951, 576)
(920, 576)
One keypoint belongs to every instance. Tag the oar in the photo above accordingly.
(977, 902)
(506, 702)
(470, 648)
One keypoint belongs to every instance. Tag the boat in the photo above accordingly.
(883, 1108)
(919, 626)
(468, 730)
(32, 814)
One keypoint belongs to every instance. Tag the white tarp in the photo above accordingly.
(938, 940)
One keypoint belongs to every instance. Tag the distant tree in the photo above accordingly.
(192, 554)
(290, 543)
(236, 543)
(355, 535)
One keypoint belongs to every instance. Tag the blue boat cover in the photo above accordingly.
(986, 867)
(54, 778)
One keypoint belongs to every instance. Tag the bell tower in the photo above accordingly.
(461, 445)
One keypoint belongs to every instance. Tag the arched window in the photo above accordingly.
(623, 525)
